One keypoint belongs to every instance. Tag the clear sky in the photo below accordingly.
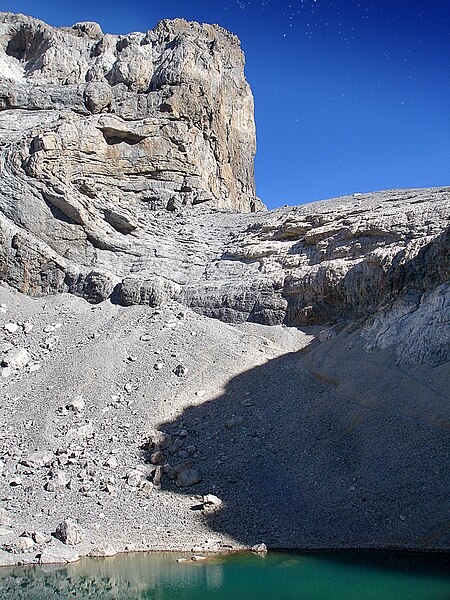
(351, 95)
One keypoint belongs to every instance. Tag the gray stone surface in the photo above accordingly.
(156, 119)
(292, 363)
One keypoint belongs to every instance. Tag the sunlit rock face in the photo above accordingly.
(151, 120)
(98, 131)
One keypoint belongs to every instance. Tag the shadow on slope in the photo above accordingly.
(297, 465)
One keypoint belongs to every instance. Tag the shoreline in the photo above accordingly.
(196, 553)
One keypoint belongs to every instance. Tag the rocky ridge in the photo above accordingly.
(231, 378)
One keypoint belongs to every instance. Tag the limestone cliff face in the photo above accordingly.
(97, 124)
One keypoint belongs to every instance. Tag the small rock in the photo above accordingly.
(157, 477)
(180, 370)
(111, 489)
(40, 538)
(16, 481)
(158, 366)
(111, 462)
(157, 457)
(69, 532)
(259, 548)
(17, 358)
(27, 327)
(199, 558)
(187, 478)
(169, 471)
(52, 327)
(20, 545)
(11, 327)
(177, 445)
(35, 460)
(147, 488)
(212, 500)
(84, 431)
(59, 481)
(326, 334)
(50, 343)
(63, 459)
(77, 404)
(134, 478)
(160, 441)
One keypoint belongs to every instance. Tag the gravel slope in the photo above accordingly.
(298, 456)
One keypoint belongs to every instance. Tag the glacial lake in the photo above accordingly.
(277, 576)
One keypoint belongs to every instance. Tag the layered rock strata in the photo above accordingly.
(107, 140)
(100, 131)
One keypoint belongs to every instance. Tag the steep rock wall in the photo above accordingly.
(152, 120)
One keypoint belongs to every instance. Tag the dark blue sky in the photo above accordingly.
(351, 96)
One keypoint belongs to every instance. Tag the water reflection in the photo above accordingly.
(158, 576)
(130, 576)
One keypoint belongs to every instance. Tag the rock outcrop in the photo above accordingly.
(107, 141)
(97, 132)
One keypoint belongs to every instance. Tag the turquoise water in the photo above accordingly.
(158, 576)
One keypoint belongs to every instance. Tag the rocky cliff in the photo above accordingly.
(157, 334)
(107, 140)
(98, 132)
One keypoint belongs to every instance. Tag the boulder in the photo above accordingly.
(16, 359)
(69, 532)
(38, 459)
(188, 477)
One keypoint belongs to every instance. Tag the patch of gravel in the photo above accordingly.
(124, 420)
